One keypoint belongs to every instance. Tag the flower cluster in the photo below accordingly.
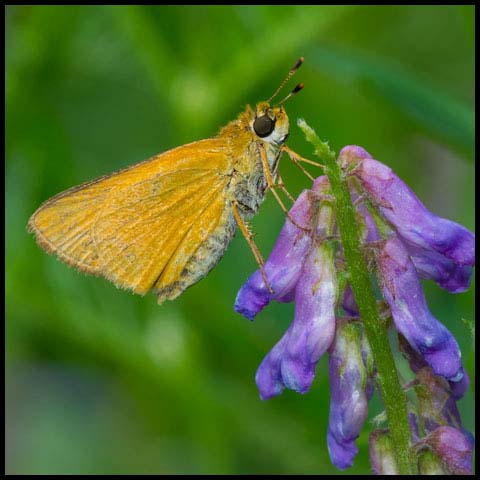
(404, 243)
(442, 444)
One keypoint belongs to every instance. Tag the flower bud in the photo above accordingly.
(382, 455)
(430, 464)
(453, 447)
(348, 394)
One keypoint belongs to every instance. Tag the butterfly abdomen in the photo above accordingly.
(202, 261)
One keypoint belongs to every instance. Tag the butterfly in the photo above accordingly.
(164, 223)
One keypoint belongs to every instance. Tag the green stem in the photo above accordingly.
(394, 398)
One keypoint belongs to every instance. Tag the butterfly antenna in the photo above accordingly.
(293, 92)
(297, 65)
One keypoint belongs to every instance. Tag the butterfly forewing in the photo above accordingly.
(137, 237)
(123, 226)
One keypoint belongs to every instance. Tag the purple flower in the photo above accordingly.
(441, 249)
(447, 447)
(403, 292)
(292, 361)
(408, 243)
(437, 406)
(453, 447)
(349, 394)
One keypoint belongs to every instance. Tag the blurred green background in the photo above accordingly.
(101, 381)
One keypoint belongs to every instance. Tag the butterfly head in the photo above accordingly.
(270, 123)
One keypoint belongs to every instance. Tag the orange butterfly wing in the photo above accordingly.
(153, 225)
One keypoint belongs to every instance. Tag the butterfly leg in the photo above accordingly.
(271, 185)
(296, 159)
(282, 187)
(244, 228)
(279, 181)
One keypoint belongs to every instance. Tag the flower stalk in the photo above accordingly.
(393, 397)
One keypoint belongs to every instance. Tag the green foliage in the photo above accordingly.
(101, 381)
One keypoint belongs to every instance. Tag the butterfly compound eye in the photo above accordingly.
(263, 126)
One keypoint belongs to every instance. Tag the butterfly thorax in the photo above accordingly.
(248, 184)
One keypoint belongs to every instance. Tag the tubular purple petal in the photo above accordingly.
(434, 266)
(413, 221)
(341, 453)
(313, 329)
(269, 376)
(291, 363)
(403, 292)
(348, 397)
(441, 250)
